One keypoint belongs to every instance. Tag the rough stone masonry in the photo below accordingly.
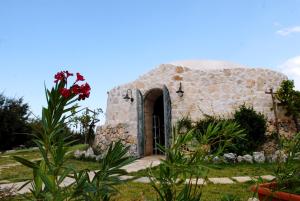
(210, 87)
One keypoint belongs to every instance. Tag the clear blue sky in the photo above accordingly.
(113, 42)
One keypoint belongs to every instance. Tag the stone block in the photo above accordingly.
(230, 157)
(177, 78)
(200, 181)
(268, 177)
(179, 69)
(242, 179)
(145, 180)
(259, 157)
(221, 180)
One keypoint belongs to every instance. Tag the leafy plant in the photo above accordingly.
(103, 185)
(290, 99)
(170, 182)
(219, 137)
(182, 174)
(254, 125)
(50, 172)
(213, 133)
(202, 124)
(184, 124)
(288, 170)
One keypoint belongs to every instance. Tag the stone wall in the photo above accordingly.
(217, 92)
(287, 128)
(213, 92)
(107, 134)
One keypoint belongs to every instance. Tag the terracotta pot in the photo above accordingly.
(265, 193)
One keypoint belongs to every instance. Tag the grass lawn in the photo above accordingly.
(229, 170)
(30, 154)
(132, 191)
(20, 173)
(139, 192)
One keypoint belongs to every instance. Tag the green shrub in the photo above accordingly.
(287, 170)
(184, 124)
(173, 180)
(219, 136)
(202, 124)
(213, 133)
(255, 127)
(185, 162)
(289, 99)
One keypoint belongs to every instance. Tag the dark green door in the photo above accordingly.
(140, 124)
(167, 116)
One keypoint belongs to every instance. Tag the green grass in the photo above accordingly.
(132, 191)
(21, 173)
(241, 169)
(228, 170)
(29, 154)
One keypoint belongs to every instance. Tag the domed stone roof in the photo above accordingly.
(207, 64)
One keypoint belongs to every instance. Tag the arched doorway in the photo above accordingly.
(154, 121)
(155, 104)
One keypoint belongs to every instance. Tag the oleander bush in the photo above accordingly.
(53, 143)
(217, 130)
(180, 177)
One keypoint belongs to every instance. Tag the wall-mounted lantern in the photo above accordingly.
(128, 96)
(179, 91)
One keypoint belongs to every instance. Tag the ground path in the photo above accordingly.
(141, 164)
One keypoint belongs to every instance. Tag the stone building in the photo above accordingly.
(142, 112)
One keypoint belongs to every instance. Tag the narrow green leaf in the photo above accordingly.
(25, 162)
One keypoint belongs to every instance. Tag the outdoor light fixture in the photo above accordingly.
(179, 91)
(128, 96)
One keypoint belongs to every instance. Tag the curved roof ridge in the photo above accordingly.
(207, 64)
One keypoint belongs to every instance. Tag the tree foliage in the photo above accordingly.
(290, 99)
(13, 122)
(86, 121)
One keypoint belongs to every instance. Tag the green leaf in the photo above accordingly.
(48, 181)
(25, 162)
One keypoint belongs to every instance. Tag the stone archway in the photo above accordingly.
(154, 121)
(156, 102)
